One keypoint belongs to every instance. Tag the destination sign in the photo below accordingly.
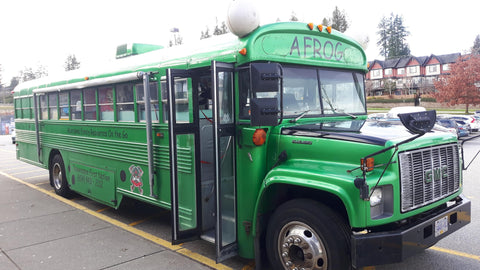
(316, 48)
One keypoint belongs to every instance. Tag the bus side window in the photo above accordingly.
(52, 106)
(25, 107)
(43, 107)
(153, 101)
(64, 108)
(89, 104)
(125, 110)
(76, 104)
(105, 100)
(18, 108)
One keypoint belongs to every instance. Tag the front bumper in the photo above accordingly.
(394, 246)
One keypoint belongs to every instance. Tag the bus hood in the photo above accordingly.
(363, 131)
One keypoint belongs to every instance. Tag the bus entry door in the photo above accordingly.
(224, 159)
(184, 148)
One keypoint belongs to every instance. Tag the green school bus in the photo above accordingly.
(258, 144)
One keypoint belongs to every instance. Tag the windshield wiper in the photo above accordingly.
(344, 112)
(335, 110)
(299, 117)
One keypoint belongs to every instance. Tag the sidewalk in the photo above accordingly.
(41, 232)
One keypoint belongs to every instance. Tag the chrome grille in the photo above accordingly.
(428, 175)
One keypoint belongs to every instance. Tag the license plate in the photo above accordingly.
(441, 226)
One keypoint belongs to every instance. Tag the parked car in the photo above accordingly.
(463, 128)
(472, 121)
(377, 116)
(393, 112)
(450, 126)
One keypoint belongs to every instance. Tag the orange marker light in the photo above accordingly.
(310, 25)
(329, 29)
(320, 27)
(369, 165)
(87, 78)
(243, 51)
(259, 137)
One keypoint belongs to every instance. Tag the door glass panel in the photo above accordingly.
(182, 101)
(225, 97)
(186, 181)
(227, 190)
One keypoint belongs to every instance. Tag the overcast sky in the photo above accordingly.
(45, 32)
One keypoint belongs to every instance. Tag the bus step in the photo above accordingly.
(209, 236)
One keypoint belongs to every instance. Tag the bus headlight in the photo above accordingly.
(376, 197)
(381, 202)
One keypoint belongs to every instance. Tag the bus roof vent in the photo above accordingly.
(129, 49)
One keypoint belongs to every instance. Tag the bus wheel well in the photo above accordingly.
(279, 194)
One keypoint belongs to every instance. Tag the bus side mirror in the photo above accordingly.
(266, 84)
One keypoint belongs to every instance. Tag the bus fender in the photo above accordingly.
(328, 185)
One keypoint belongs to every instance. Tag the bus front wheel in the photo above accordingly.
(58, 177)
(304, 234)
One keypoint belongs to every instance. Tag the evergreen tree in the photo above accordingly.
(71, 63)
(384, 34)
(476, 45)
(205, 34)
(339, 20)
(14, 82)
(293, 17)
(325, 21)
(392, 37)
(220, 30)
(224, 28)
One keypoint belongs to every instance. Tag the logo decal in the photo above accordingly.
(136, 178)
(435, 174)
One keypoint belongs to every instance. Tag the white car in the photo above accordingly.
(393, 113)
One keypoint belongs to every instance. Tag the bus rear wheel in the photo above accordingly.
(58, 177)
(304, 234)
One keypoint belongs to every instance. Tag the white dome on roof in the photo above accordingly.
(242, 17)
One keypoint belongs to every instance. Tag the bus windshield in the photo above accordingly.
(322, 92)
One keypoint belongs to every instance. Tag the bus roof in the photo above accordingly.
(288, 42)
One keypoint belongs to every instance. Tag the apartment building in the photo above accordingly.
(407, 75)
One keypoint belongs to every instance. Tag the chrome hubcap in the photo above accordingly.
(57, 176)
(300, 248)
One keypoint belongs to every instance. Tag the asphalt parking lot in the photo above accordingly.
(40, 230)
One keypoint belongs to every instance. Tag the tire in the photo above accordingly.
(58, 177)
(304, 234)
